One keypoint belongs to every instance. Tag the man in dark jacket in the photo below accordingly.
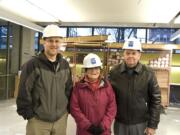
(137, 93)
(45, 87)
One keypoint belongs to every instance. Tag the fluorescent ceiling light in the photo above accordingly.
(64, 10)
(28, 10)
(161, 11)
(94, 11)
(5, 15)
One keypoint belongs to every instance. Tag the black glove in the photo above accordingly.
(99, 130)
(92, 129)
(95, 130)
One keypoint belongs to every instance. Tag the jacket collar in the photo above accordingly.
(43, 57)
(137, 69)
(83, 83)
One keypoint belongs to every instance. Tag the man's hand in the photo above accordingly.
(150, 131)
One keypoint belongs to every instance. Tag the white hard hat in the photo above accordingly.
(51, 31)
(91, 60)
(132, 44)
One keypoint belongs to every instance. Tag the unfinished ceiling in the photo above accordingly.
(148, 13)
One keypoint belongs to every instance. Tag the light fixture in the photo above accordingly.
(8, 16)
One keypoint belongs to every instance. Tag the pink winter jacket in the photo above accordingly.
(93, 107)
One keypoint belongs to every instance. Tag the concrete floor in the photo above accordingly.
(12, 124)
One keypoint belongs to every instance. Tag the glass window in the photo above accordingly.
(134, 32)
(177, 40)
(3, 47)
(129, 33)
(159, 35)
(10, 41)
(113, 35)
(3, 60)
(36, 41)
(177, 51)
(74, 32)
(3, 37)
(63, 31)
(100, 31)
(121, 34)
(10, 37)
(111, 32)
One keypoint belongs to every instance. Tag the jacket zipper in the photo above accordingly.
(128, 119)
(55, 72)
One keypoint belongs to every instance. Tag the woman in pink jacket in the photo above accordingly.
(93, 104)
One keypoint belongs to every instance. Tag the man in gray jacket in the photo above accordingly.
(137, 93)
(45, 88)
